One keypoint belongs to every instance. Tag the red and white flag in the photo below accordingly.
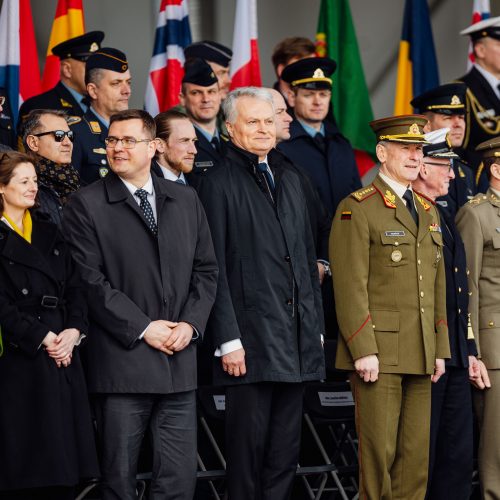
(480, 12)
(166, 69)
(245, 65)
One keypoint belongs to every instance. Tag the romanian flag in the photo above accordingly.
(336, 38)
(68, 23)
(417, 64)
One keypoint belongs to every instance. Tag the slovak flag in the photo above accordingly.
(166, 70)
(480, 12)
(245, 65)
(19, 69)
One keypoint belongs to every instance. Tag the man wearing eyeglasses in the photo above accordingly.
(46, 133)
(451, 440)
(147, 259)
(108, 81)
(69, 94)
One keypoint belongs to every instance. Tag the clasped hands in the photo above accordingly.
(60, 347)
(168, 336)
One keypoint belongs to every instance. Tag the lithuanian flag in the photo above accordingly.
(68, 23)
(417, 64)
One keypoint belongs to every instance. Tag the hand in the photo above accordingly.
(180, 337)
(321, 271)
(157, 333)
(49, 339)
(367, 368)
(234, 363)
(439, 369)
(62, 346)
(482, 381)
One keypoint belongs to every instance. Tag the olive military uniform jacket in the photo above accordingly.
(389, 282)
(479, 225)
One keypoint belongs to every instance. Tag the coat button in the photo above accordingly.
(421, 294)
(491, 323)
(419, 261)
(103, 162)
(459, 289)
(459, 311)
(422, 310)
(56, 252)
(420, 277)
(289, 302)
(287, 258)
(24, 291)
(456, 269)
(396, 243)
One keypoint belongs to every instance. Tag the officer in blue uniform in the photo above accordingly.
(69, 94)
(444, 107)
(316, 145)
(108, 85)
(451, 442)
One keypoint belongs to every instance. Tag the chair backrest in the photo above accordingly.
(330, 400)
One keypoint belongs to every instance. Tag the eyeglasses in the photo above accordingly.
(2, 100)
(59, 135)
(127, 142)
(448, 165)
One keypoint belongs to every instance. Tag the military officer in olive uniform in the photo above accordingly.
(444, 107)
(483, 93)
(69, 94)
(386, 254)
(479, 225)
(108, 84)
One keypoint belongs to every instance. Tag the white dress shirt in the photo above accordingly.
(492, 80)
(398, 188)
(170, 176)
(148, 187)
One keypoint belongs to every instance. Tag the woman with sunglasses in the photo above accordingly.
(46, 436)
(46, 133)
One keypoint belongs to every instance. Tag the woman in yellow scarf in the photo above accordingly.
(46, 436)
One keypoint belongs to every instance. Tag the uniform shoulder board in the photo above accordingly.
(364, 193)
(73, 120)
(424, 201)
(95, 127)
(479, 199)
(224, 137)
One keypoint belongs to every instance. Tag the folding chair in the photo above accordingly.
(329, 432)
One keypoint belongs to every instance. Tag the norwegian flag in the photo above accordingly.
(480, 12)
(166, 70)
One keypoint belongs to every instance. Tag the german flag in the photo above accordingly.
(417, 64)
(68, 23)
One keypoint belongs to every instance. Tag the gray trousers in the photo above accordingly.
(123, 420)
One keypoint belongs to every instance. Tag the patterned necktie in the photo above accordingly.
(180, 181)
(147, 210)
(265, 170)
(410, 205)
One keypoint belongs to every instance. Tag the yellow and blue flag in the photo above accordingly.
(417, 63)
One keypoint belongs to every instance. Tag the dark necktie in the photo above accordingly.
(180, 181)
(410, 205)
(147, 210)
(265, 170)
(215, 144)
(319, 139)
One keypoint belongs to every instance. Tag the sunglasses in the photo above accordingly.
(59, 135)
(2, 100)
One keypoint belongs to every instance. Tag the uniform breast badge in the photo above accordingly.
(346, 215)
(396, 255)
(435, 228)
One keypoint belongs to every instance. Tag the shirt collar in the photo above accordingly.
(496, 192)
(77, 96)
(148, 187)
(169, 175)
(208, 136)
(104, 122)
(398, 188)
(491, 79)
(311, 130)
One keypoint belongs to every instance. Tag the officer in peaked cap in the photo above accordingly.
(107, 77)
(70, 93)
(219, 58)
(316, 145)
(451, 440)
(444, 107)
(386, 250)
(483, 94)
(479, 226)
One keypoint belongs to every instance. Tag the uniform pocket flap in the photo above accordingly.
(385, 321)
(437, 237)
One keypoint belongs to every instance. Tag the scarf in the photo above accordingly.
(63, 178)
(27, 225)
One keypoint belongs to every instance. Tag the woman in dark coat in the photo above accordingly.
(46, 437)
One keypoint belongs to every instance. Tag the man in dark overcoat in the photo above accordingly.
(147, 258)
(267, 320)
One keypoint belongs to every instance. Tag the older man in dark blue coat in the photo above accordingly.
(267, 320)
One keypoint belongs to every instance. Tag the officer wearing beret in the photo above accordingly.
(479, 225)
(386, 253)
(450, 457)
(483, 80)
(107, 77)
(201, 98)
(444, 107)
(217, 56)
(316, 145)
(70, 93)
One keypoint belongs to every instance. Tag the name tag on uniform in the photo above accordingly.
(394, 234)
(203, 164)
(100, 151)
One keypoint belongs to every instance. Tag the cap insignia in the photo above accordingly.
(414, 130)
(455, 100)
(94, 47)
(318, 73)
